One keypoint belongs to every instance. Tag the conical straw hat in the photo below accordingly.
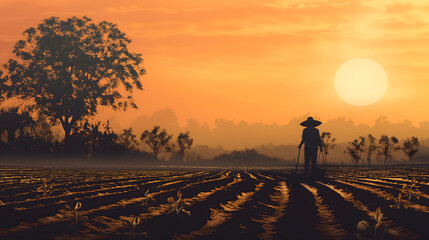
(310, 122)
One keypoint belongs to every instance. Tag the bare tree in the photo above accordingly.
(157, 140)
(328, 143)
(371, 147)
(355, 149)
(411, 147)
(387, 146)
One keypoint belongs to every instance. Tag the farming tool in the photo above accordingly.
(323, 159)
(297, 161)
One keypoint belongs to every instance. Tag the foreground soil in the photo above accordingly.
(40, 203)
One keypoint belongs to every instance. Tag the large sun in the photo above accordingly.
(361, 82)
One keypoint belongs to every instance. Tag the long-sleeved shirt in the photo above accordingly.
(311, 137)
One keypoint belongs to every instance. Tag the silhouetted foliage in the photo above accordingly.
(35, 138)
(184, 142)
(178, 151)
(172, 149)
(370, 147)
(355, 149)
(411, 147)
(128, 140)
(93, 138)
(248, 157)
(30, 144)
(157, 140)
(12, 121)
(65, 69)
(387, 146)
(42, 129)
(328, 143)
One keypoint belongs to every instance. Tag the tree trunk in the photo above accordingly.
(368, 158)
(181, 156)
(67, 139)
(67, 127)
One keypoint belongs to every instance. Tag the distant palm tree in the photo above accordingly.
(11, 120)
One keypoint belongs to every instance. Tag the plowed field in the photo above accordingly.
(223, 204)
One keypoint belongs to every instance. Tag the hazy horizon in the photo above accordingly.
(232, 135)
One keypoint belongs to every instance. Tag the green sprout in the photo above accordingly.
(131, 224)
(179, 204)
(67, 191)
(375, 231)
(45, 188)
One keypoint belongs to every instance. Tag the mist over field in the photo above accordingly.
(278, 140)
(241, 134)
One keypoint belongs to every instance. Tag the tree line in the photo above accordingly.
(364, 148)
(383, 148)
(21, 134)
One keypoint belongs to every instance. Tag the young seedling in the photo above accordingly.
(74, 212)
(147, 199)
(398, 202)
(410, 190)
(237, 177)
(67, 191)
(178, 205)
(45, 188)
(131, 224)
(375, 231)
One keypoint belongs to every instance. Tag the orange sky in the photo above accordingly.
(258, 61)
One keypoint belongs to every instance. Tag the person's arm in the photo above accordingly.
(302, 141)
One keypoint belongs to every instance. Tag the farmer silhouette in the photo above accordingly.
(311, 139)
